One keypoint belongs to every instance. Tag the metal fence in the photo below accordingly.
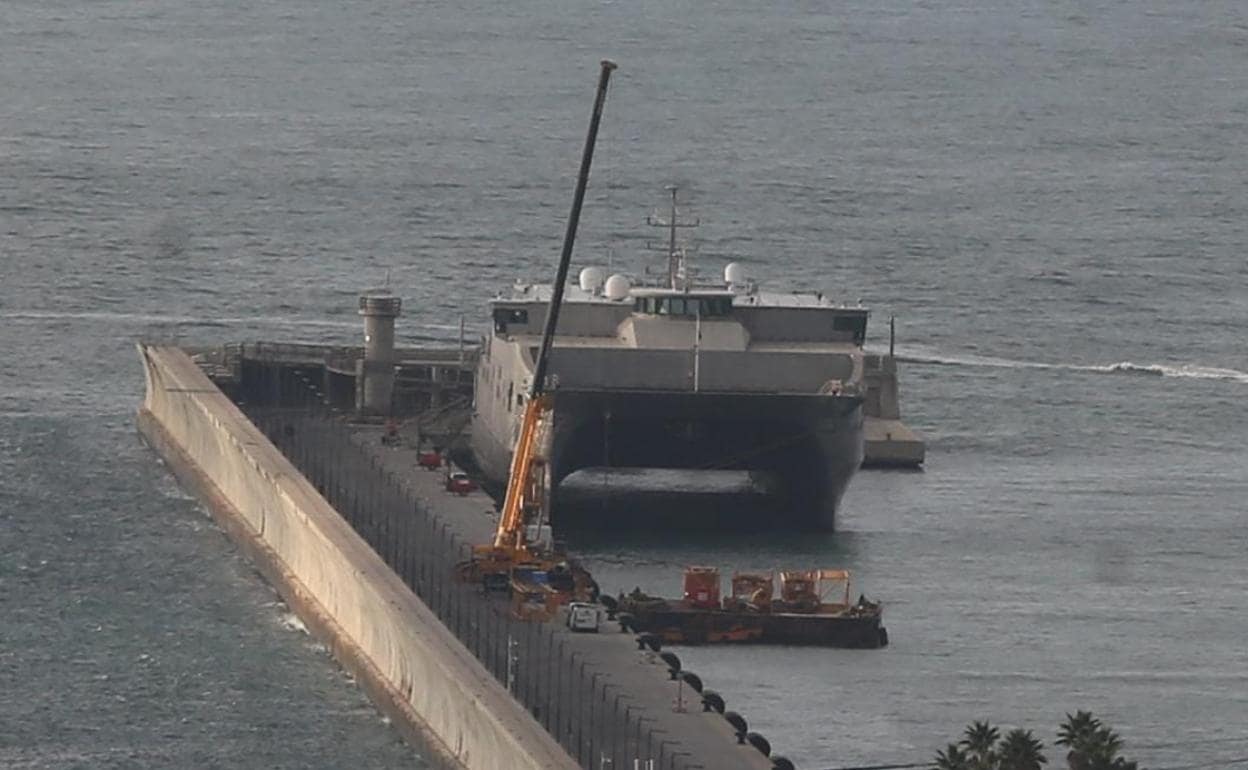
(589, 714)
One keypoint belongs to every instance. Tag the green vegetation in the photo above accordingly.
(1089, 745)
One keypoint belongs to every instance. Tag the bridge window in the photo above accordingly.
(856, 325)
(646, 305)
(505, 316)
(689, 307)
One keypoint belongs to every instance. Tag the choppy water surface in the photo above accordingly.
(1051, 198)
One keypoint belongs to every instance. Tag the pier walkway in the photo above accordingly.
(608, 703)
(635, 678)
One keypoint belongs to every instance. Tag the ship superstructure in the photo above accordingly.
(684, 375)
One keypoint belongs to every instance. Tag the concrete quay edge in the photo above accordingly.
(320, 624)
(413, 667)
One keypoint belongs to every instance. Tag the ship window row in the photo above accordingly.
(706, 307)
(505, 316)
(856, 325)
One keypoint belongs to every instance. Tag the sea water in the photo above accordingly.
(1050, 197)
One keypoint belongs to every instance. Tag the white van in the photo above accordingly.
(583, 617)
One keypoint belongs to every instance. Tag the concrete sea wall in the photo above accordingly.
(887, 441)
(412, 666)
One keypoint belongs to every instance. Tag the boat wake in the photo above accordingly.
(1189, 371)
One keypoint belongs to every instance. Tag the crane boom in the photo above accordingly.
(520, 483)
(527, 473)
(569, 235)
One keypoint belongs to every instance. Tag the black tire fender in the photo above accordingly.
(712, 701)
(759, 742)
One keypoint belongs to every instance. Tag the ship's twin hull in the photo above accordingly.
(800, 451)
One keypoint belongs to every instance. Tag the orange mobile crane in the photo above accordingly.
(530, 566)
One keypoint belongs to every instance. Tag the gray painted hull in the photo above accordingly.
(806, 447)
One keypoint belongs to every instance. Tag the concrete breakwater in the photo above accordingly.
(362, 555)
(412, 665)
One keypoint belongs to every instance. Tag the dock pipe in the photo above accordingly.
(578, 198)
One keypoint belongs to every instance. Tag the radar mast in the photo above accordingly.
(678, 276)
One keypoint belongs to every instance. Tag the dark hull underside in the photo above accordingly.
(677, 625)
(797, 452)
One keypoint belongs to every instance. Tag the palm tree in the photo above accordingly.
(1020, 750)
(980, 739)
(952, 758)
(1074, 734)
(1098, 750)
(1076, 728)
(1093, 746)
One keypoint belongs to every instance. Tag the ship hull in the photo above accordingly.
(802, 450)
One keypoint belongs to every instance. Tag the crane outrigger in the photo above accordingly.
(520, 558)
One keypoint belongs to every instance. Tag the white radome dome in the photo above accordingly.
(617, 287)
(591, 279)
(734, 274)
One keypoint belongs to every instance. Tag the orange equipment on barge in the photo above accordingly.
(813, 608)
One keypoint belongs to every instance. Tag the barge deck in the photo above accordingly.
(801, 615)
